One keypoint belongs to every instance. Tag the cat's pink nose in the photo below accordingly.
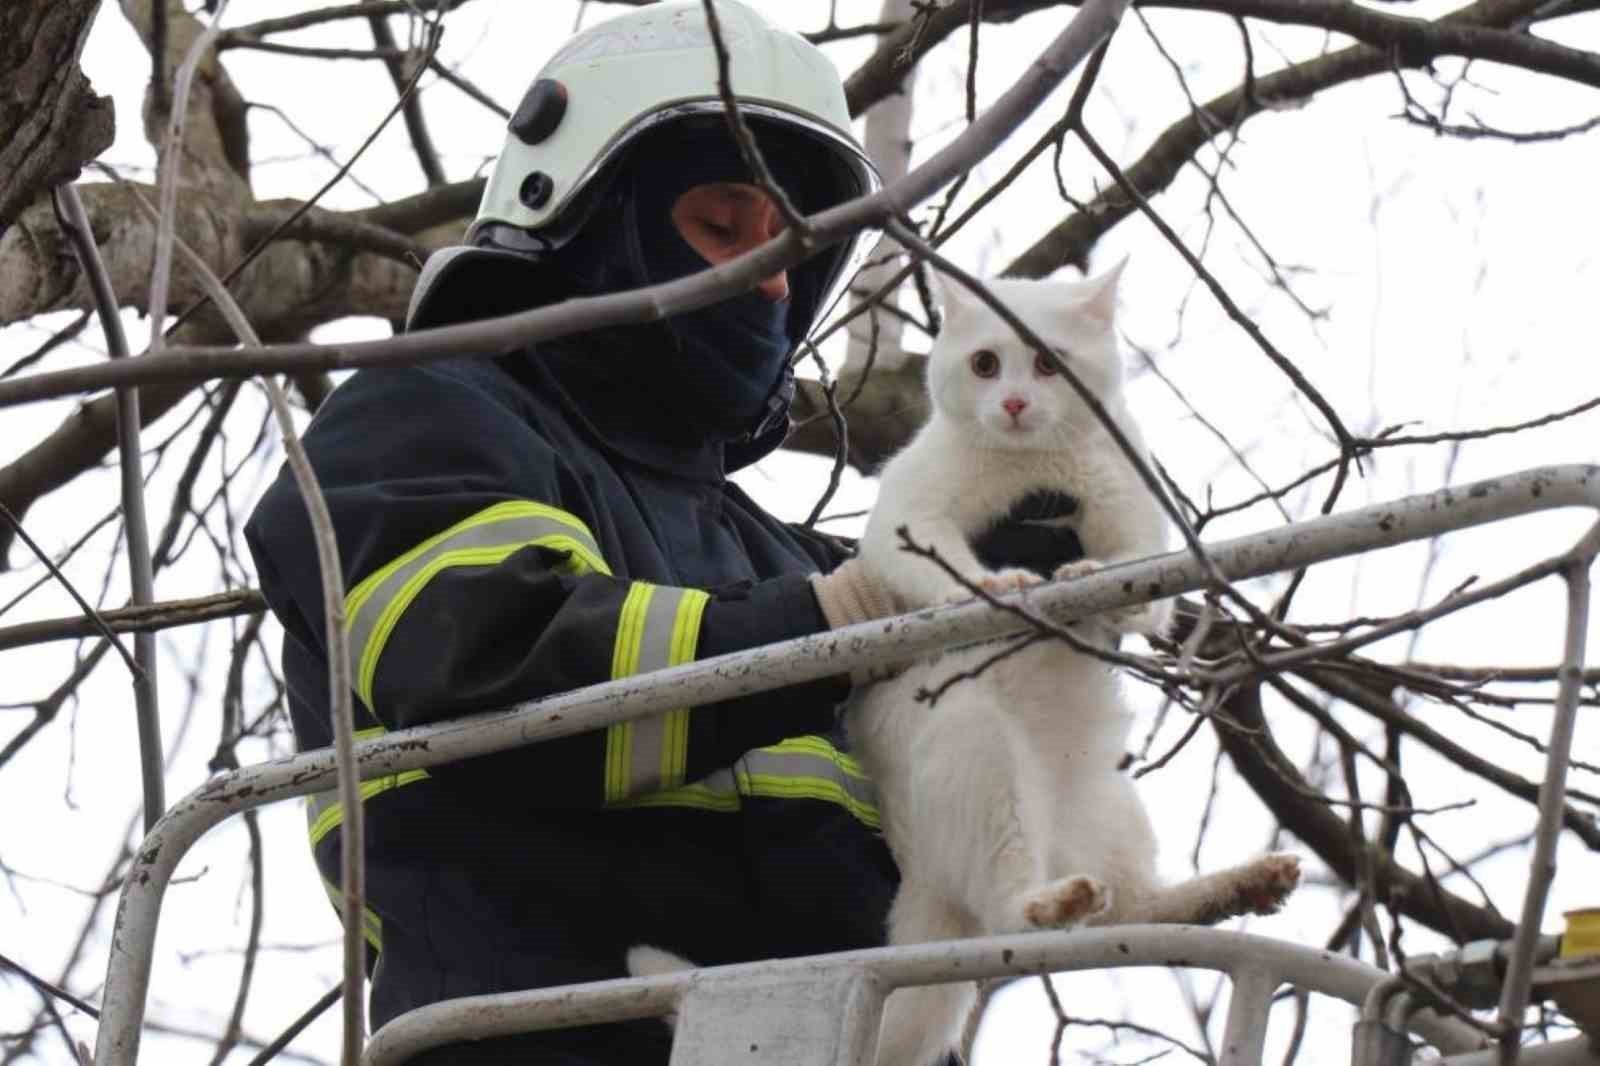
(1014, 405)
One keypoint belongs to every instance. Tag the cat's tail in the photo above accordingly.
(645, 960)
(923, 1025)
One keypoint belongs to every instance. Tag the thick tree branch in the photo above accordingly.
(1093, 23)
(51, 122)
(1244, 734)
(400, 65)
(1376, 702)
(1070, 241)
(216, 144)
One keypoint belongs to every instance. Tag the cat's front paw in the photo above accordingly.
(1150, 619)
(1069, 901)
(1011, 579)
(995, 583)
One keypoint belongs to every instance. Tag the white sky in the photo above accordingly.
(1459, 283)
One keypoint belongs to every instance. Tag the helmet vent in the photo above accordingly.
(535, 190)
(540, 112)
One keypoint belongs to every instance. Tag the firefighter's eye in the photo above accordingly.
(985, 363)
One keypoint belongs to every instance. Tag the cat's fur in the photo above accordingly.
(1002, 801)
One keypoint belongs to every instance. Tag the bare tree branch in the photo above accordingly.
(1243, 732)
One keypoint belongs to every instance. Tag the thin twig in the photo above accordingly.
(48, 989)
(150, 617)
(167, 179)
(311, 1014)
(395, 60)
(749, 150)
(141, 576)
(841, 430)
(294, 216)
(93, 617)
(352, 831)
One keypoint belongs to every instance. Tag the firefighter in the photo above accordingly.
(528, 522)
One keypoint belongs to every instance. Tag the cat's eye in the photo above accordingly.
(1042, 365)
(985, 363)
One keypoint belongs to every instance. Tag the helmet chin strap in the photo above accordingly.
(775, 413)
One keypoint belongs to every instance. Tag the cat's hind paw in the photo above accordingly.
(1267, 883)
(1065, 902)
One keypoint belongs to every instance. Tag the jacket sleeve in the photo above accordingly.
(474, 581)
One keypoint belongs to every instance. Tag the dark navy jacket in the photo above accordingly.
(518, 527)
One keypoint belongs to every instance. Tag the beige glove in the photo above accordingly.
(853, 594)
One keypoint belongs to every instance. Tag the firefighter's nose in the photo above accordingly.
(768, 224)
(775, 288)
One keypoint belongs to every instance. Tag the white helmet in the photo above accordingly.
(610, 85)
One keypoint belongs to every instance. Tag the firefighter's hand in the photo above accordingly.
(852, 594)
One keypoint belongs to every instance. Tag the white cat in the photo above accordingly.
(1002, 801)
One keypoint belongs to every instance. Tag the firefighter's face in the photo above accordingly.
(723, 220)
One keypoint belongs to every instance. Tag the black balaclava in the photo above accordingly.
(725, 365)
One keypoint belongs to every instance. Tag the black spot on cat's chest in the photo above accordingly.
(1033, 534)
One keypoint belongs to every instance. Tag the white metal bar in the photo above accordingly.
(773, 666)
(1313, 969)
(1552, 801)
(787, 1018)
(1579, 1051)
(1249, 1003)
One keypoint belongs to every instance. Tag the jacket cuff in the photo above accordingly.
(760, 613)
(750, 615)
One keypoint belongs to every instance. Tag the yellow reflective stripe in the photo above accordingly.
(808, 767)
(625, 663)
(371, 924)
(775, 786)
(821, 747)
(716, 793)
(324, 812)
(685, 641)
(330, 818)
(657, 626)
(375, 606)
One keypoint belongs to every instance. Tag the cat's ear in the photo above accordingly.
(952, 297)
(1099, 293)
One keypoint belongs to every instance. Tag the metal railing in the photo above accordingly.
(908, 636)
(824, 1010)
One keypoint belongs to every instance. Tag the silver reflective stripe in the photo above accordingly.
(657, 626)
(317, 806)
(809, 768)
(800, 768)
(374, 607)
(649, 764)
